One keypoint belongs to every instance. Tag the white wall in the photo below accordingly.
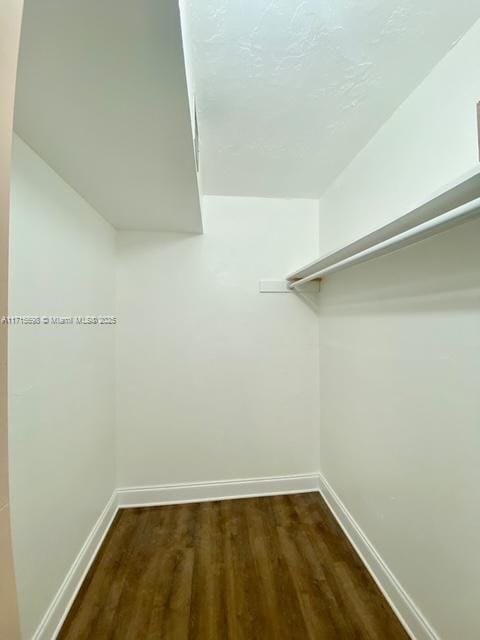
(215, 380)
(430, 140)
(400, 354)
(61, 397)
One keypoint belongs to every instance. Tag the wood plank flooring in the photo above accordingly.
(275, 568)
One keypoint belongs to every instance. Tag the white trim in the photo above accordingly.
(56, 613)
(409, 615)
(407, 612)
(215, 490)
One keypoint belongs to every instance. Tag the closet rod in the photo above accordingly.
(461, 214)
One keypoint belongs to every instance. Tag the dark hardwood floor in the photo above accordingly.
(255, 569)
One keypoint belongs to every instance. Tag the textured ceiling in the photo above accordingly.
(102, 97)
(288, 91)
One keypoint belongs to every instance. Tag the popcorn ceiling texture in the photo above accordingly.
(289, 91)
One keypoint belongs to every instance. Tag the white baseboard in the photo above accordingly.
(63, 600)
(218, 490)
(409, 615)
(412, 619)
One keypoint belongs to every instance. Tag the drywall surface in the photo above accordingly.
(400, 416)
(215, 380)
(61, 396)
(10, 21)
(430, 140)
(102, 96)
(400, 355)
(289, 91)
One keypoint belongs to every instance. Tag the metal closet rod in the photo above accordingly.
(440, 223)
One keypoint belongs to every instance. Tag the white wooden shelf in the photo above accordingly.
(454, 204)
